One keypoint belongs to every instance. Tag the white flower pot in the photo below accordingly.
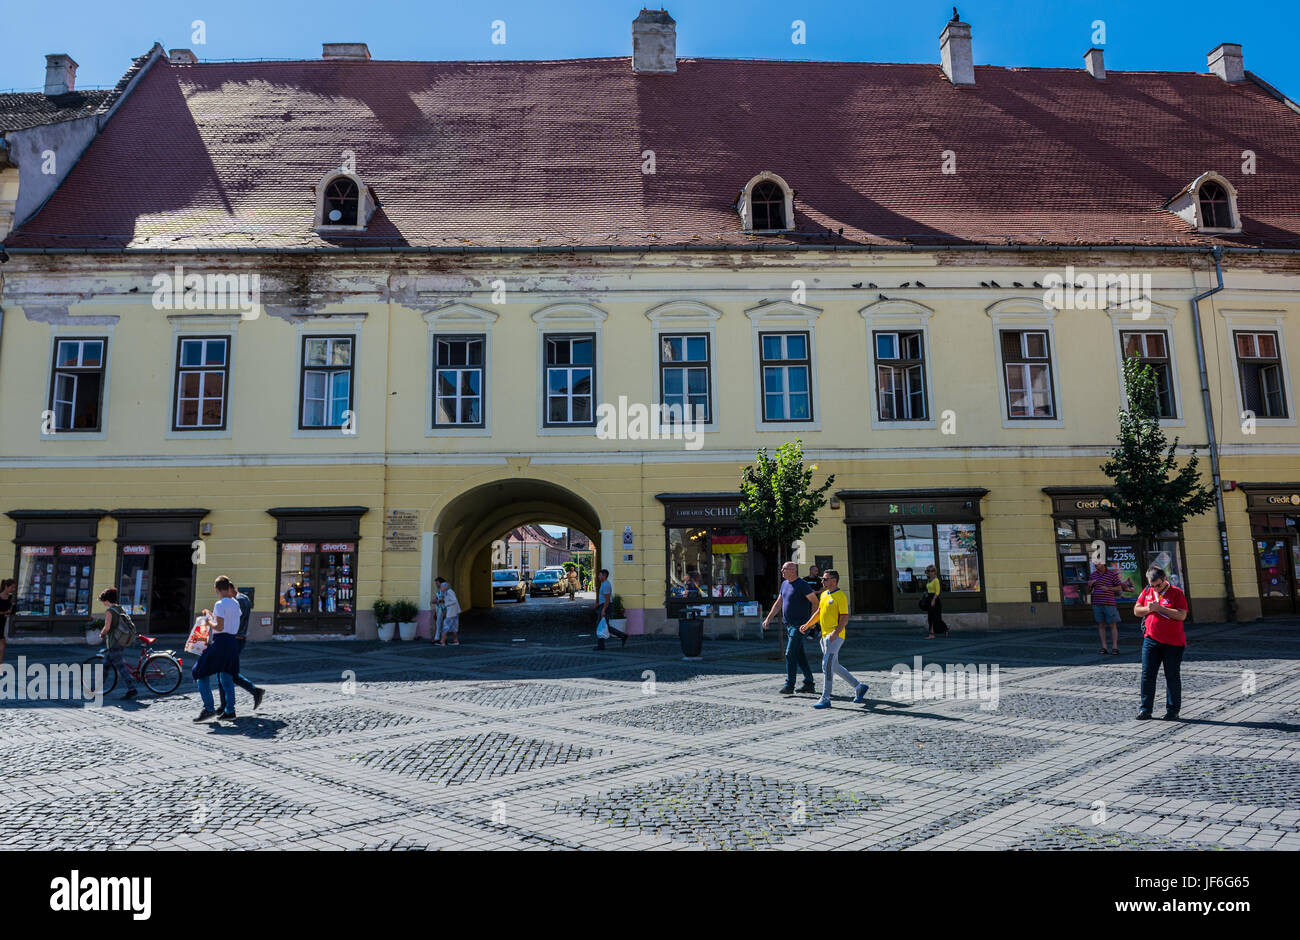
(407, 631)
(386, 631)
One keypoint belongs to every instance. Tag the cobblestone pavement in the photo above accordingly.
(525, 738)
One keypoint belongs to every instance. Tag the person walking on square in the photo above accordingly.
(451, 620)
(1102, 585)
(1163, 642)
(221, 658)
(796, 602)
(604, 604)
(226, 588)
(933, 606)
(118, 633)
(439, 609)
(832, 614)
(8, 603)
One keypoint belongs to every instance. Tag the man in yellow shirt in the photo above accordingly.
(833, 616)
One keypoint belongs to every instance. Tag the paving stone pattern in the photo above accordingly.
(416, 755)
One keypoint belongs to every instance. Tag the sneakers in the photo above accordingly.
(787, 690)
(860, 693)
(205, 715)
(228, 716)
(258, 695)
(822, 705)
(809, 688)
(1144, 716)
(1169, 716)
(131, 693)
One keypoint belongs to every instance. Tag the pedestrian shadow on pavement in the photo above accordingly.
(259, 728)
(892, 708)
(1288, 727)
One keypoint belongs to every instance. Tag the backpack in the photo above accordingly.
(124, 631)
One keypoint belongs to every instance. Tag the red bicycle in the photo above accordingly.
(160, 670)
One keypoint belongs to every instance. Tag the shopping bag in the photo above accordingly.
(602, 629)
(198, 640)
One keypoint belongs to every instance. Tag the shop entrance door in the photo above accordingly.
(1277, 561)
(156, 587)
(873, 578)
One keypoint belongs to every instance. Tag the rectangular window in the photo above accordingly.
(77, 385)
(458, 378)
(1027, 363)
(951, 547)
(570, 380)
(54, 581)
(1153, 349)
(786, 366)
(317, 578)
(684, 378)
(326, 388)
(202, 379)
(709, 564)
(1259, 364)
(900, 376)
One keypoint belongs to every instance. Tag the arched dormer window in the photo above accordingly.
(766, 204)
(1216, 208)
(343, 202)
(1208, 204)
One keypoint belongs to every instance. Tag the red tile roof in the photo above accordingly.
(549, 154)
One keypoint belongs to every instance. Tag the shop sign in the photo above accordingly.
(298, 546)
(402, 530)
(700, 512)
(338, 546)
(902, 511)
(135, 549)
(76, 550)
(38, 549)
(1292, 500)
(1093, 504)
(913, 509)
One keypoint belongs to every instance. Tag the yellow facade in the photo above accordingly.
(468, 488)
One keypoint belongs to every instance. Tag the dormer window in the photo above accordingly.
(766, 204)
(341, 198)
(1208, 204)
(1216, 209)
(343, 202)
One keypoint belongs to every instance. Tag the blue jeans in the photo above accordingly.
(227, 683)
(240, 681)
(796, 657)
(1153, 654)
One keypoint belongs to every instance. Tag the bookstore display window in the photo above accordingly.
(317, 586)
(708, 568)
(54, 581)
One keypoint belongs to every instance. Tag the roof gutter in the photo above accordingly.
(1208, 409)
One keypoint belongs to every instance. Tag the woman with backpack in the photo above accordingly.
(118, 634)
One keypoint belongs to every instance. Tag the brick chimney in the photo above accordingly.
(60, 73)
(1094, 64)
(182, 57)
(1226, 62)
(654, 42)
(345, 51)
(954, 52)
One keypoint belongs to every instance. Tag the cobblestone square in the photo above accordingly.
(546, 744)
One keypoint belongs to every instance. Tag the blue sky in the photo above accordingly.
(1160, 35)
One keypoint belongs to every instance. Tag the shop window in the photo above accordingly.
(951, 547)
(684, 378)
(1026, 360)
(134, 587)
(570, 379)
(202, 377)
(326, 386)
(54, 581)
(900, 376)
(707, 564)
(458, 382)
(77, 384)
(1259, 366)
(1152, 348)
(317, 579)
(787, 369)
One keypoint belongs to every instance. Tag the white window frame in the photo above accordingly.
(782, 316)
(899, 316)
(81, 327)
(1027, 314)
(320, 326)
(1161, 320)
(745, 208)
(365, 203)
(686, 317)
(455, 320)
(1259, 321)
(571, 317)
(218, 325)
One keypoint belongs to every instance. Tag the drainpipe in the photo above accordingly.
(1209, 426)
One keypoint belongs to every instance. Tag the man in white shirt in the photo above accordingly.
(451, 624)
(221, 658)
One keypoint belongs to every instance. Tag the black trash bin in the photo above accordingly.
(690, 630)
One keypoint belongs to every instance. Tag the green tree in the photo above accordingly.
(1151, 492)
(778, 505)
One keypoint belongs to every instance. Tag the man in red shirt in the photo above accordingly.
(1165, 608)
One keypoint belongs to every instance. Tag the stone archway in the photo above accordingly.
(465, 527)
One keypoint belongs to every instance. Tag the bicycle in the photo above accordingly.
(159, 670)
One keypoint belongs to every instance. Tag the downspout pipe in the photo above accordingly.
(1206, 406)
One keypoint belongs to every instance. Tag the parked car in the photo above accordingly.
(548, 581)
(507, 583)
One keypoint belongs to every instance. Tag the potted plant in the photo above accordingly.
(92, 632)
(404, 612)
(383, 619)
(617, 615)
